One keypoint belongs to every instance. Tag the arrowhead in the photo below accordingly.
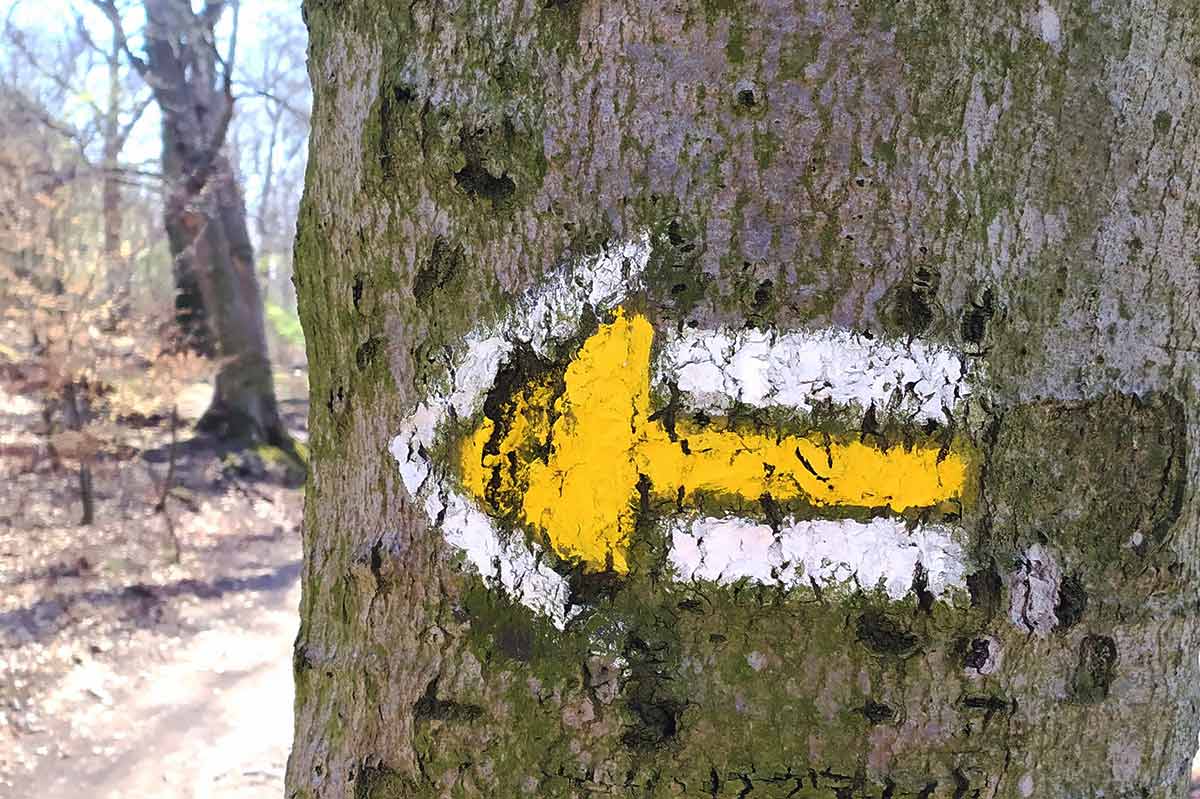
(565, 458)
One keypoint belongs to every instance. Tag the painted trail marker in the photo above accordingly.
(566, 455)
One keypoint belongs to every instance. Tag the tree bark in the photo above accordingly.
(1014, 182)
(218, 306)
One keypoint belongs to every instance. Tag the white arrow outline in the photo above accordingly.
(714, 369)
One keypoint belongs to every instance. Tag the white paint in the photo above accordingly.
(881, 553)
(1025, 785)
(714, 369)
(1033, 589)
(541, 319)
(911, 381)
(513, 564)
(552, 312)
(1049, 25)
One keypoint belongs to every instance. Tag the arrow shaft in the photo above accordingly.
(570, 465)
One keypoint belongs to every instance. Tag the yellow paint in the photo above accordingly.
(569, 465)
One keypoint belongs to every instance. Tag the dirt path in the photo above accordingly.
(211, 717)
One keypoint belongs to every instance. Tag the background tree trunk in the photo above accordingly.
(1014, 180)
(218, 306)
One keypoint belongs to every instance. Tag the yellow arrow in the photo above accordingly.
(567, 460)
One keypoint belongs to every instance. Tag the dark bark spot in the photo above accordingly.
(679, 239)
(883, 635)
(392, 103)
(356, 291)
(877, 712)
(975, 319)
(515, 640)
(429, 707)
(656, 722)
(1072, 602)
(961, 784)
(476, 178)
(978, 651)
(656, 713)
(668, 413)
(1096, 670)
(762, 296)
(378, 782)
(911, 307)
(986, 589)
(920, 587)
(989, 705)
(444, 262)
(746, 98)
(367, 352)
(1094, 476)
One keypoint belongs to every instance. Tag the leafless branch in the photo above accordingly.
(110, 10)
(253, 91)
(17, 38)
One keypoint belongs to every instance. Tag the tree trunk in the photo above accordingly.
(944, 250)
(218, 306)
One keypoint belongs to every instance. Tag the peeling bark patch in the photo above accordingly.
(1034, 591)
(1096, 669)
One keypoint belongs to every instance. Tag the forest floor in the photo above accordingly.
(125, 672)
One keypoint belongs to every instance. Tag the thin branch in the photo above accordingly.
(17, 38)
(136, 112)
(86, 36)
(109, 8)
(300, 114)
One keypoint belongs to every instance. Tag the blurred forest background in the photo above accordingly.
(152, 394)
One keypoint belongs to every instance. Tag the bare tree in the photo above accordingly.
(218, 305)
